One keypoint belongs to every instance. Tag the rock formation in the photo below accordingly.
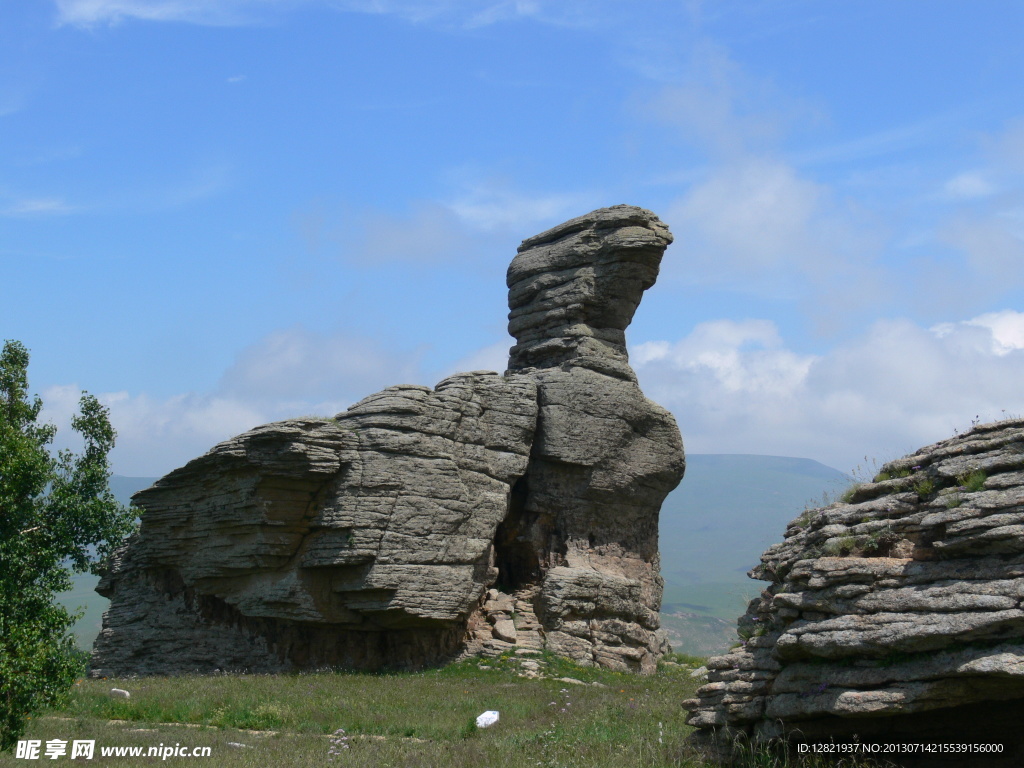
(491, 512)
(894, 615)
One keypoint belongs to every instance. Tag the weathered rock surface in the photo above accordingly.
(574, 289)
(895, 615)
(492, 512)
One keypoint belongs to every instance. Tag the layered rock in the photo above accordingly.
(894, 615)
(491, 512)
(573, 289)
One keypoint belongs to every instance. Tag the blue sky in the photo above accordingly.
(218, 213)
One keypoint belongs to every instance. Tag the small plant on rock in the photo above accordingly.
(924, 488)
(870, 543)
(850, 493)
(972, 481)
(953, 500)
(881, 477)
(841, 546)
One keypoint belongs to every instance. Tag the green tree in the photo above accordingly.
(57, 516)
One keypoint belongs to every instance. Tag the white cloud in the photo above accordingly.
(756, 226)
(11, 103)
(430, 232)
(465, 13)
(38, 206)
(888, 141)
(744, 356)
(752, 222)
(477, 217)
(1005, 330)
(712, 101)
(736, 388)
(1007, 148)
(88, 13)
(154, 436)
(289, 373)
(755, 213)
(983, 224)
(492, 205)
(199, 183)
(493, 357)
(968, 185)
(994, 250)
(299, 365)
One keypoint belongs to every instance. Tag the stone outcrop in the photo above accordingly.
(894, 615)
(492, 512)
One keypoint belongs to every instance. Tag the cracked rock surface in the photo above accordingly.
(896, 614)
(488, 513)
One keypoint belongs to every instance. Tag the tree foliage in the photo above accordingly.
(57, 516)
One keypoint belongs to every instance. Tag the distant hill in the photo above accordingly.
(123, 487)
(728, 509)
(83, 593)
(714, 527)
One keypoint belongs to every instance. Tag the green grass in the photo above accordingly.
(973, 481)
(401, 719)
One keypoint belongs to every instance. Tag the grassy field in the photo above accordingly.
(401, 719)
(568, 717)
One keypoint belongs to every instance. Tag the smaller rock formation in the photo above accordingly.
(489, 513)
(896, 615)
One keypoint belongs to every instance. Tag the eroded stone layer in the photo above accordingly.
(894, 614)
(573, 289)
(359, 541)
(488, 513)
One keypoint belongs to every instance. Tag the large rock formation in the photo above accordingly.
(894, 615)
(490, 512)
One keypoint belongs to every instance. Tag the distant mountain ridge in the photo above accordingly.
(83, 594)
(726, 512)
(123, 487)
(728, 509)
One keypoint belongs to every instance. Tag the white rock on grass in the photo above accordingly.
(487, 719)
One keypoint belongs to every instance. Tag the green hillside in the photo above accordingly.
(726, 512)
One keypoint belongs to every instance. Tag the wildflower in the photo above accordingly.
(339, 741)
